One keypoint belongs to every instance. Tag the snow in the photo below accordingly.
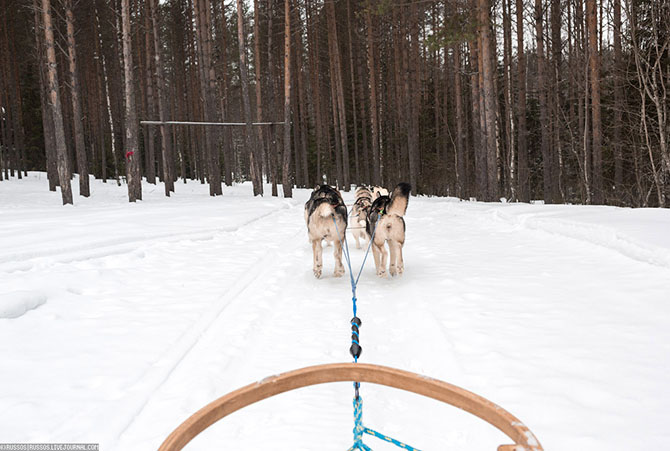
(15, 304)
(149, 311)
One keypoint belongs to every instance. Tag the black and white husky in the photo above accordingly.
(324, 205)
(385, 219)
(359, 214)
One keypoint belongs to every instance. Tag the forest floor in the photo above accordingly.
(118, 320)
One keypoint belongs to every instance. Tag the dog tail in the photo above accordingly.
(399, 199)
(325, 209)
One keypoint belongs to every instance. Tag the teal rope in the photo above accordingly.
(359, 429)
(389, 439)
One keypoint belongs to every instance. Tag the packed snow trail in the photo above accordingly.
(569, 335)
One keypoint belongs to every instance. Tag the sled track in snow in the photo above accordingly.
(185, 344)
(21, 261)
(592, 234)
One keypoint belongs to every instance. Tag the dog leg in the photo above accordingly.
(358, 244)
(377, 255)
(337, 252)
(384, 257)
(317, 250)
(393, 250)
(400, 264)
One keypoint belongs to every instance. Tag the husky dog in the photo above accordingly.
(359, 214)
(385, 219)
(324, 205)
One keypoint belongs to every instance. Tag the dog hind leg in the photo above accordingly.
(317, 250)
(384, 260)
(401, 263)
(393, 250)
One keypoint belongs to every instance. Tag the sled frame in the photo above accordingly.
(523, 438)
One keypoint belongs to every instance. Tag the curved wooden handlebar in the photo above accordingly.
(358, 372)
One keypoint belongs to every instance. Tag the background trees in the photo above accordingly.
(561, 100)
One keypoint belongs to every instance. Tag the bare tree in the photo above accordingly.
(55, 104)
(286, 164)
(594, 72)
(80, 146)
(254, 155)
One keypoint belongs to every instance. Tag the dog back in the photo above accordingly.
(395, 204)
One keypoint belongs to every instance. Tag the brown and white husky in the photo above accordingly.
(385, 219)
(359, 214)
(324, 205)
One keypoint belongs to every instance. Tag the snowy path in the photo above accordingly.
(195, 297)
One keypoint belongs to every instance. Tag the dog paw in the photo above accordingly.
(382, 273)
(339, 272)
(393, 271)
(317, 273)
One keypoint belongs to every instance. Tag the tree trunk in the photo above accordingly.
(166, 147)
(594, 70)
(461, 168)
(336, 65)
(254, 155)
(414, 100)
(82, 163)
(350, 24)
(618, 105)
(47, 117)
(522, 149)
(55, 105)
(548, 175)
(507, 83)
(478, 141)
(286, 181)
(149, 130)
(374, 109)
(259, 97)
(132, 151)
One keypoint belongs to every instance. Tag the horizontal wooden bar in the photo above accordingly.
(238, 124)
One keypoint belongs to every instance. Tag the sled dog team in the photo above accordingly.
(374, 212)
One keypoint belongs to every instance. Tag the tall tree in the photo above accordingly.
(254, 154)
(339, 108)
(132, 149)
(149, 134)
(618, 103)
(55, 104)
(166, 148)
(522, 149)
(374, 108)
(545, 126)
(594, 72)
(80, 145)
(490, 97)
(286, 163)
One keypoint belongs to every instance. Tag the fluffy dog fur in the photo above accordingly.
(378, 191)
(386, 214)
(359, 214)
(324, 204)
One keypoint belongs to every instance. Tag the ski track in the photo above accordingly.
(592, 234)
(189, 340)
(107, 248)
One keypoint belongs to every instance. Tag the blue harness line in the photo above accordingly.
(356, 350)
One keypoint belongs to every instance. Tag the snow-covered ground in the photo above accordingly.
(118, 320)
